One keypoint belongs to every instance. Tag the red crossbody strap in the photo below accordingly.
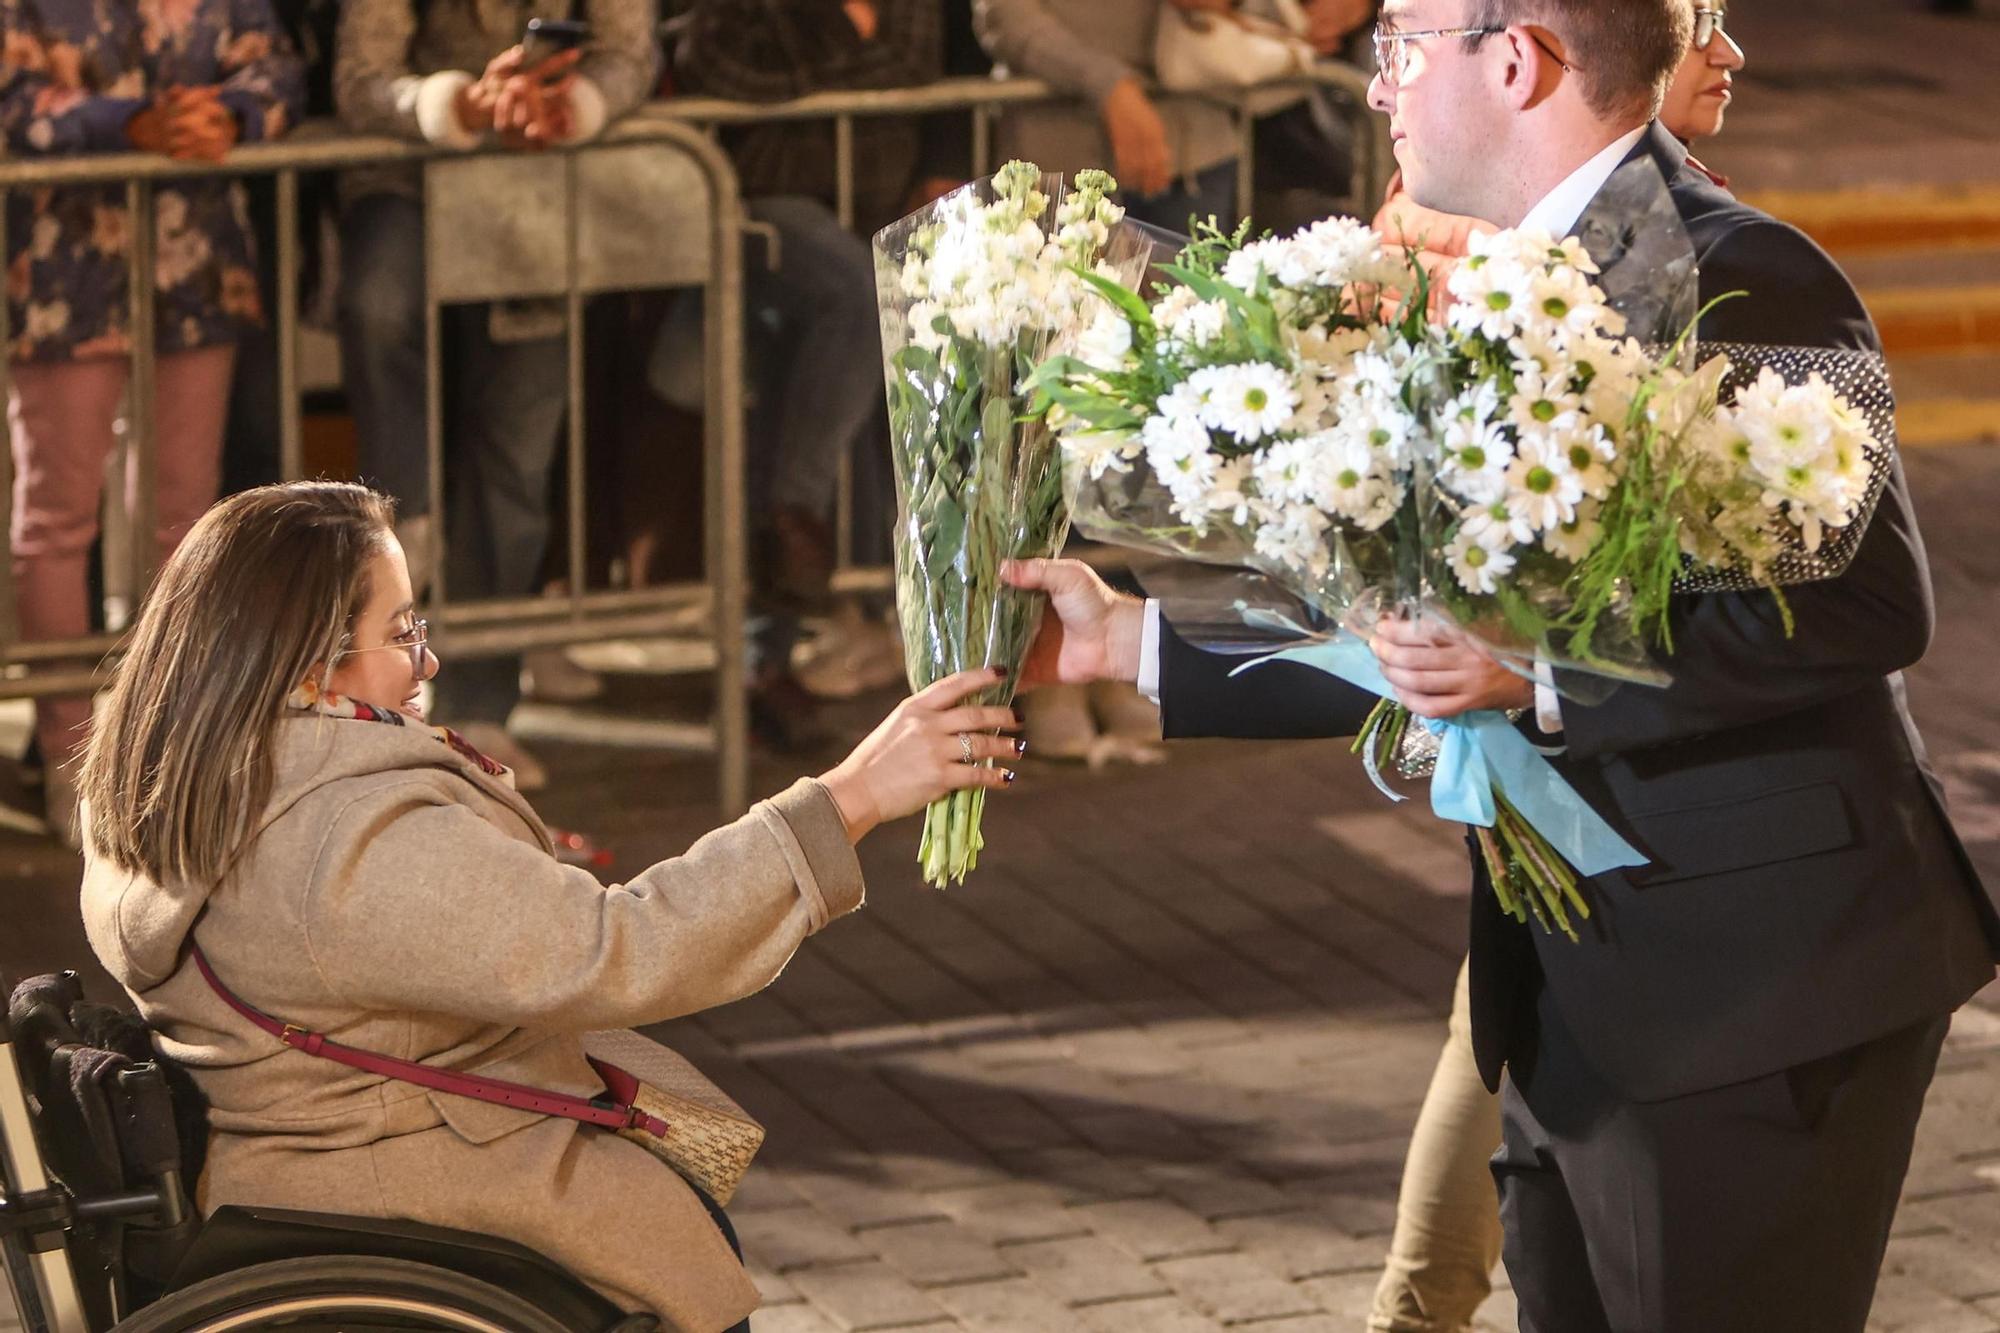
(615, 1113)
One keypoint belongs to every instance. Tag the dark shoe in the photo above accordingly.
(784, 718)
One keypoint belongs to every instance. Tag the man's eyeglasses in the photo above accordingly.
(413, 641)
(1392, 47)
(1707, 26)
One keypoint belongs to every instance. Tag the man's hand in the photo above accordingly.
(1329, 22)
(1139, 151)
(1089, 633)
(1437, 672)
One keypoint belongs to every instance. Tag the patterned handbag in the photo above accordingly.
(666, 1107)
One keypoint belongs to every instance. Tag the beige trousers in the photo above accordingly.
(1447, 1236)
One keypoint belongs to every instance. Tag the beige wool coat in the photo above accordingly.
(400, 900)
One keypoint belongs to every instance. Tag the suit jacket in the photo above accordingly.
(1805, 891)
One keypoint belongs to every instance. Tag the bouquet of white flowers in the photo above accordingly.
(974, 291)
(1254, 414)
(1521, 470)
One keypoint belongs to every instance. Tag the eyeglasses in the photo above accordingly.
(1707, 26)
(1391, 47)
(415, 641)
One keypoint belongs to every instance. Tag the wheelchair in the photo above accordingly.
(100, 1141)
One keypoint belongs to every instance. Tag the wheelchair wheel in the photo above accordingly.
(341, 1294)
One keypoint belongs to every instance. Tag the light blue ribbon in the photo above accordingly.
(1478, 752)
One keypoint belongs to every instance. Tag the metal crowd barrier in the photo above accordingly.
(684, 125)
(468, 629)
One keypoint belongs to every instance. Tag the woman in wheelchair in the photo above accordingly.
(264, 792)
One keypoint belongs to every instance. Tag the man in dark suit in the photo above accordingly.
(1710, 1101)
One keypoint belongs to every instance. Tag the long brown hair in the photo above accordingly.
(261, 593)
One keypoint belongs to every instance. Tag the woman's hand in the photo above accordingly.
(916, 756)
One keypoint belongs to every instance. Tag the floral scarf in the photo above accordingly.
(308, 698)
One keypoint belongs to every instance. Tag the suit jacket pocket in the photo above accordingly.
(1692, 842)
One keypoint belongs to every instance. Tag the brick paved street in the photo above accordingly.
(1155, 1067)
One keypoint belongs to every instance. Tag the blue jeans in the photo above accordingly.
(500, 436)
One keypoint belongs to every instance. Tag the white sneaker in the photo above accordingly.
(855, 654)
(1130, 724)
(491, 739)
(1059, 724)
(549, 675)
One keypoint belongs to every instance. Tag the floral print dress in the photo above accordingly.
(72, 75)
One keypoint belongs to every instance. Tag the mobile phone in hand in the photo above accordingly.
(551, 37)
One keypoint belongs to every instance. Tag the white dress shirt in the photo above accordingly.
(1557, 214)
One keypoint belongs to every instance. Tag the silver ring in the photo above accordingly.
(965, 747)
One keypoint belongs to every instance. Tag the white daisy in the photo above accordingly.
(1540, 485)
(1248, 401)
(1479, 568)
(1497, 526)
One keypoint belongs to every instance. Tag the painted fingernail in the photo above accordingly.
(1020, 747)
(1010, 776)
(1001, 672)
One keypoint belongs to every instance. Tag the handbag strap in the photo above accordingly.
(613, 1112)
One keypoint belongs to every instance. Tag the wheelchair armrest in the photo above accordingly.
(235, 1237)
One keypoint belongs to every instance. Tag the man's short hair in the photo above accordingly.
(1625, 51)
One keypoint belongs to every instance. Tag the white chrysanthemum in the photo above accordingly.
(1473, 459)
(1243, 266)
(1540, 485)
(1186, 319)
(1498, 527)
(1536, 351)
(1573, 540)
(1590, 451)
(1100, 451)
(1248, 401)
(1491, 300)
(1544, 404)
(1478, 567)
(1297, 539)
(1331, 253)
(1180, 455)
(1182, 403)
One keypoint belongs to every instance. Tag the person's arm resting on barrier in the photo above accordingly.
(620, 65)
(378, 91)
